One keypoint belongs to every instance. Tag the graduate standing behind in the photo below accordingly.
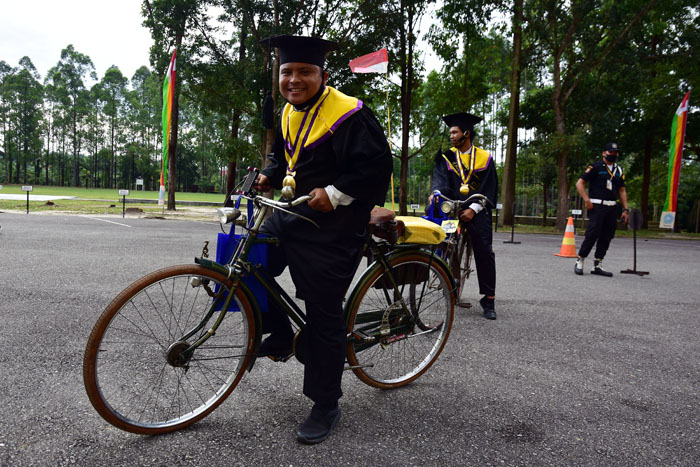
(460, 172)
(332, 146)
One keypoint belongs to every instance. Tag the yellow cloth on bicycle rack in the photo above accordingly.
(421, 231)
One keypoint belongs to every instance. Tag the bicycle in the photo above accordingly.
(173, 345)
(456, 249)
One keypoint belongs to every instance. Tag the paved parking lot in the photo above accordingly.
(575, 371)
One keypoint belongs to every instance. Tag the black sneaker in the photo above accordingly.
(578, 267)
(277, 347)
(487, 304)
(598, 269)
(318, 425)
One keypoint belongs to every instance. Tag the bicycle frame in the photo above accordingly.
(239, 267)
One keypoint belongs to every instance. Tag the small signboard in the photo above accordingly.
(415, 207)
(123, 192)
(27, 188)
(139, 182)
(576, 212)
(499, 206)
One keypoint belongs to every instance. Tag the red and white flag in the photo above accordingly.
(376, 62)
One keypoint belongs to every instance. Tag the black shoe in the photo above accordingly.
(489, 308)
(578, 267)
(274, 346)
(598, 269)
(318, 426)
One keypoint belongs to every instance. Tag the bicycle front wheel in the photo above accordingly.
(136, 370)
(461, 262)
(397, 333)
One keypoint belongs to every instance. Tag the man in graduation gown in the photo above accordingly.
(331, 146)
(460, 172)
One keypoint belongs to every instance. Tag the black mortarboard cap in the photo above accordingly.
(611, 147)
(301, 48)
(463, 120)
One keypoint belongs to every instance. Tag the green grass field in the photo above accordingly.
(108, 194)
(107, 201)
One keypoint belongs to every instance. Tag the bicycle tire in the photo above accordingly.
(463, 260)
(128, 367)
(408, 350)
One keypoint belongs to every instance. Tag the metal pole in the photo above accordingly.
(123, 205)
(27, 202)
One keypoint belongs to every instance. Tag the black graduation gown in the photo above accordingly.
(322, 262)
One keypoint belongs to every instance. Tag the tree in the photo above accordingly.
(68, 77)
(168, 21)
(574, 40)
(111, 90)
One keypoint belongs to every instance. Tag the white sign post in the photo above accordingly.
(123, 194)
(27, 188)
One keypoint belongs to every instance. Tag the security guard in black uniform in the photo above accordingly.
(463, 171)
(606, 182)
(331, 146)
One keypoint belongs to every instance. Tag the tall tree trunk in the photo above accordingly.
(233, 158)
(508, 184)
(560, 125)
(76, 179)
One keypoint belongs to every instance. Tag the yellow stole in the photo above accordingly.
(308, 128)
(473, 161)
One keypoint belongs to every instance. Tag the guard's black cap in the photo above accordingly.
(301, 49)
(611, 147)
(463, 120)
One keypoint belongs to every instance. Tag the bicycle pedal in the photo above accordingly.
(280, 358)
(464, 304)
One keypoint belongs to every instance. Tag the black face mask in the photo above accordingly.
(611, 158)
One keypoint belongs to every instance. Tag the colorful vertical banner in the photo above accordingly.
(168, 93)
(668, 216)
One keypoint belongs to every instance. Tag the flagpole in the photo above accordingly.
(388, 124)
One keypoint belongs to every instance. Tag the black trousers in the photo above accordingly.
(322, 265)
(481, 237)
(602, 221)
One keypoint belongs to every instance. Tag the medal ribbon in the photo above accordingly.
(292, 152)
(472, 164)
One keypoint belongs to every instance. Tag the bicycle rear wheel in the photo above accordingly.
(134, 369)
(388, 347)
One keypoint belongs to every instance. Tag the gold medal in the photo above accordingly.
(289, 185)
(464, 189)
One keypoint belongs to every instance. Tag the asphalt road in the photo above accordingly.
(575, 371)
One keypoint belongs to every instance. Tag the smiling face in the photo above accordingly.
(299, 82)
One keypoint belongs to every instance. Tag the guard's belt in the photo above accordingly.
(604, 202)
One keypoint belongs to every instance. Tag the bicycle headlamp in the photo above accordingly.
(446, 207)
(228, 215)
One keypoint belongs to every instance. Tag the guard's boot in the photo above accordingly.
(598, 269)
(578, 267)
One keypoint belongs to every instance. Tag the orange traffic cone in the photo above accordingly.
(568, 244)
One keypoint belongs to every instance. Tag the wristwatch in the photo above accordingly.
(625, 210)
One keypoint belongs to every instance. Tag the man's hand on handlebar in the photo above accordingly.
(467, 215)
(262, 183)
(320, 201)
